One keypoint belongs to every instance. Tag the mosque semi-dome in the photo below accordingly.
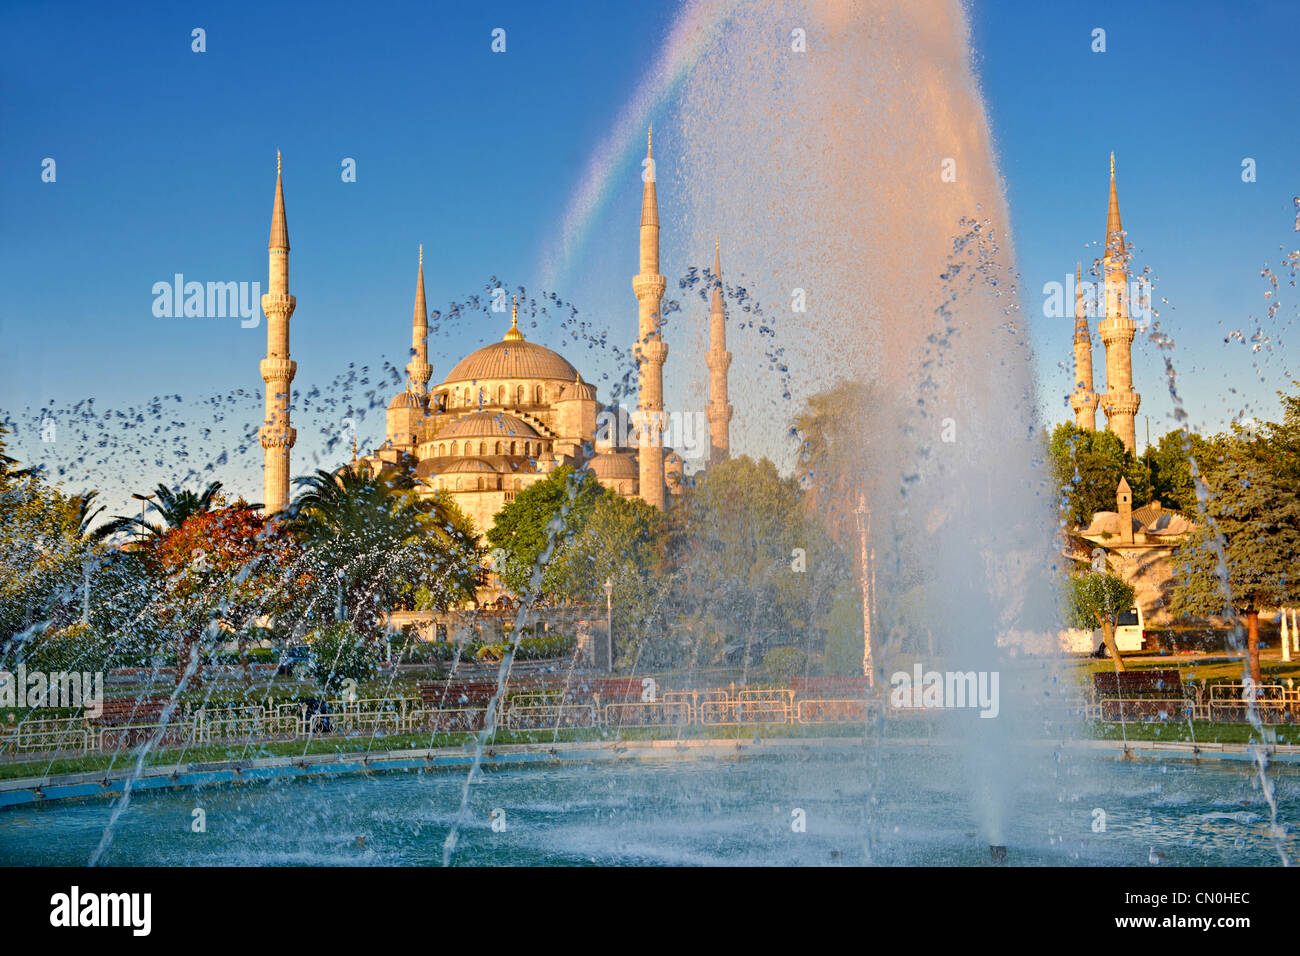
(488, 425)
(578, 389)
(612, 465)
(469, 466)
(511, 360)
(406, 400)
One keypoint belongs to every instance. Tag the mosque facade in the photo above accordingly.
(508, 414)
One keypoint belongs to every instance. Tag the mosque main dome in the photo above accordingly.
(511, 360)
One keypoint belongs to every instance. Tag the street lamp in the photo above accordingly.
(142, 499)
(609, 620)
(340, 612)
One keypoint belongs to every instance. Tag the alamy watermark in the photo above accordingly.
(943, 690)
(687, 433)
(25, 688)
(1059, 298)
(213, 300)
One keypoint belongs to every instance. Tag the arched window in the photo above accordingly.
(514, 448)
(498, 451)
(478, 483)
(442, 450)
(453, 448)
(482, 448)
(482, 396)
(522, 395)
(501, 395)
(528, 448)
(539, 394)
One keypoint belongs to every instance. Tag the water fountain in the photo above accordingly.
(844, 155)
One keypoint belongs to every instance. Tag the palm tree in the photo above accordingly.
(174, 507)
(379, 540)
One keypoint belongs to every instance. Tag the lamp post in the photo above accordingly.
(85, 591)
(341, 612)
(609, 620)
(142, 499)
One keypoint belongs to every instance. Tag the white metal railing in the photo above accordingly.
(543, 709)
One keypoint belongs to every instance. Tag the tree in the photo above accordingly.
(751, 568)
(1169, 465)
(522, 530)
(1249, 541)
(1086, 468)
(219, 573)
(339, 654)
(836, 430)
(382, 543)
(1097, 599)
(173, 507)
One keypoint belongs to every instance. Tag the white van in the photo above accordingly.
(1130, 636)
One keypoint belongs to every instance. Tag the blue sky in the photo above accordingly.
(165, 164)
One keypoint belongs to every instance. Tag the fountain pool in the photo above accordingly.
(712, 811)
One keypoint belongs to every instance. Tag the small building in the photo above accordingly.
(1138, 546)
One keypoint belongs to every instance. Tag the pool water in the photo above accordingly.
(844, 807)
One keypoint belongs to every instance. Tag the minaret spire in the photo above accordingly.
(418, 370)
(278, 370)
(1084, 399)
(1117, 329)
(718, 359)
(651, 350)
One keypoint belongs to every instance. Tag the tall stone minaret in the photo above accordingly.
(1117, 330)
(718, 360)
(418, 370)
(651, 350)
(277, 369)
(1084, 399)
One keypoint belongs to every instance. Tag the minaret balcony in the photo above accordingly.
(651, 286)
(654, 351)
(278, 370)
(277, 436)
(718, 359)
(1121, 403)
(278, 303)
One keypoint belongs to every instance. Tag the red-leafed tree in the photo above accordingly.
(220, 572)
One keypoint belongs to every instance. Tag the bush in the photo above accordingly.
(339, 653)
(73, 647)
(783, 663)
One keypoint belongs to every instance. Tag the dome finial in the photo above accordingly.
(514, 335)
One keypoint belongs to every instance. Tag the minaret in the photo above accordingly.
(418, 370)
(1117, 330)
(651, 351)
(1084, 400)
(718, 360)
(277, 369)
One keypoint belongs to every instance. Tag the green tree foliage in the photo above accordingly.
(42, 548)
(1251, 542)
(383, 542)
(839, 432)
(173, 509)
(750, 566)
(1169, 464)
(1086, 468)
(522, 529)
(340, 653)
(1095, 600)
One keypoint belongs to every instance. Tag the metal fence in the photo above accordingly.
(557, 709)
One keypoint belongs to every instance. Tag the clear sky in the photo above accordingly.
(165, 164)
